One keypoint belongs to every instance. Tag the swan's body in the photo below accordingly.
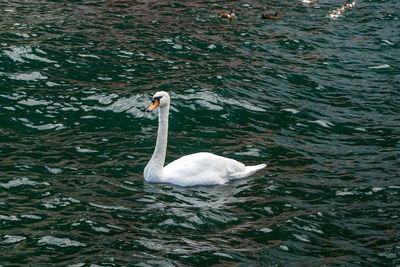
(196, 169)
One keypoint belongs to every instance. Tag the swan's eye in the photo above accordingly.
(156, 98)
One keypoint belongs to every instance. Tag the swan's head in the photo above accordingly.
(160, 99)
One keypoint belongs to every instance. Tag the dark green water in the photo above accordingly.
(317, 99)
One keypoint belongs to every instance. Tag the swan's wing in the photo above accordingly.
(201, 169)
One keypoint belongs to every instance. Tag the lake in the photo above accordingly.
(316, 98)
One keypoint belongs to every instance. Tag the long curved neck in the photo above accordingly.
(154, 169)
(162, 137)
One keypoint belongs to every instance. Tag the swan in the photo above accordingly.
(201, 168)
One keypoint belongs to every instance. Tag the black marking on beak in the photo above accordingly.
(156, 98)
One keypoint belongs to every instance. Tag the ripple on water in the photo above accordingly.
(28, 76)
(33, 102)
(85, 150)
(214, 102)
(302, 238)
(12, 218)
(265, 230)
(314, 98)
(21, 54)
(383, 66)
(31, 217)
(323, 123)
(93, 225)
(53, 170)
(284, 248)
(12, 239)
(102, 98)
(45, 127)
(291, 110)
(21, 182)
(89, 56)
(23, 217)
(59, 242)
(118, 104)
(55, 203)
(106, 207)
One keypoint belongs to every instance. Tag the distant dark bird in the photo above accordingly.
(270, 14)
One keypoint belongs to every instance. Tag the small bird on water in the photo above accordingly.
(333, 14)
(270, 14)
(228, 15)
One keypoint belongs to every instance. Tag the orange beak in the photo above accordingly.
(153, 105)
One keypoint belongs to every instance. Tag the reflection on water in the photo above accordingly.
(314, 98)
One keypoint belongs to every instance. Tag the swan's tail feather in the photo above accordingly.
(250, 170)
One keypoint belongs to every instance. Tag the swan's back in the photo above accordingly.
(204, 169)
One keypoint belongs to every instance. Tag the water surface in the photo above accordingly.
(316, 99)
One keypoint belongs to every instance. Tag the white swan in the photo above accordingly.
(196, 169)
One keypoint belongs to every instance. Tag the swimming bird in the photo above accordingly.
(201, 168)
(309, 1)
(333, 14)
(270, 14)
(227, 15)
